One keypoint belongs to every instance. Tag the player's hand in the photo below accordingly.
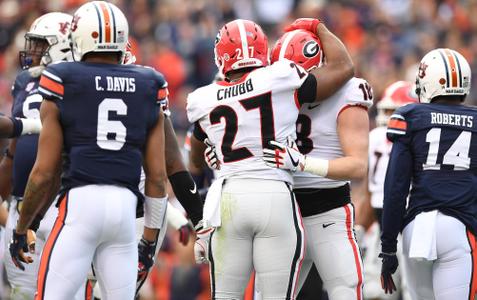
(210, 156)
(308, 24)
(18, 247)
(185, 231)
(201, 247)
(390, 264)
(31, 241)
(146, 252)
(283, 156)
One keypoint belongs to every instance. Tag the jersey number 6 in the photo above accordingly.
(111, 135)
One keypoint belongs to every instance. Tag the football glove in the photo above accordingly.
(308, 24)
(146, 251)
(210, 156)
(283, 156)
(389, 266)
(18, 247)
(201, 246)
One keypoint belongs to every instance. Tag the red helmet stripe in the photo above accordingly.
(243, 38)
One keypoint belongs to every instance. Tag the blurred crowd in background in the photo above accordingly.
(386, 38)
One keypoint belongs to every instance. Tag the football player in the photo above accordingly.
(435, 150)
(107, 119)
(251, 219)
(370, 208)
(182, 184)
(46, 42)
(332, 139)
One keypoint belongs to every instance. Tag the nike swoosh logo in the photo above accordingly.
(329, 224)
(294, 163)
(313, 106)
(194, 189)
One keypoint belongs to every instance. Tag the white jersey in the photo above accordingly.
(317, 134)
(240, 118)
(379, 150)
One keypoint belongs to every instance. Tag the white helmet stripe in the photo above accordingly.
(288, 38)
(446, 66)
(243, 38)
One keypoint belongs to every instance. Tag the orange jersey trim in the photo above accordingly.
(51, 85)
(453, 66)
(397, 124)
(473, 277)
(107, 21)
(48, 248)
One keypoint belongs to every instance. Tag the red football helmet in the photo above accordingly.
(300, 46)
(396, 95)
(240, 44)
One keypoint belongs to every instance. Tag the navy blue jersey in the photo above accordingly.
(434, 150)
(26, 104)
(106, 112)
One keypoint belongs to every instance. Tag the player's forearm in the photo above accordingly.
(347, 168)
(6, 166)
(6, 127)
(3, 215)
(36, 191)
(339, 67)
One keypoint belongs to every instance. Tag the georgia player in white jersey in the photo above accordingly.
(370, 208)
(254, 217)
(334, 137)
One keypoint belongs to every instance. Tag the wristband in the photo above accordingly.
(31, 126)
(154, 210)
(316, 166)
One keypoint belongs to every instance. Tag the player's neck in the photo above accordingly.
(101, 58)
(448, 100)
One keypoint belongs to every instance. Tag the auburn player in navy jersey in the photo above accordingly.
(46, 42)
(105, 117)
(434, 151)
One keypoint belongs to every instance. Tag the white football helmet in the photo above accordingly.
(442, 72)
(54, 29)
(396, 95)
(99, 26)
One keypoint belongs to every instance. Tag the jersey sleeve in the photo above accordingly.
(398, 126)
(51, 84)
(358, 93)
(396, 189)
(163, 99)
(286, 75)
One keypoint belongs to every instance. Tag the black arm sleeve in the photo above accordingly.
(307, 92)
(198, 132)
(188, 195)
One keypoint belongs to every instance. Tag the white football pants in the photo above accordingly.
(23, 283)
(95, 223)
(261, 229)
(452, 276)
(332, 246)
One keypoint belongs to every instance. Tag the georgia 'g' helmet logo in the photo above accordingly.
(311, 49)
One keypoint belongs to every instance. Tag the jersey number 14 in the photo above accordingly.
(457, 155)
